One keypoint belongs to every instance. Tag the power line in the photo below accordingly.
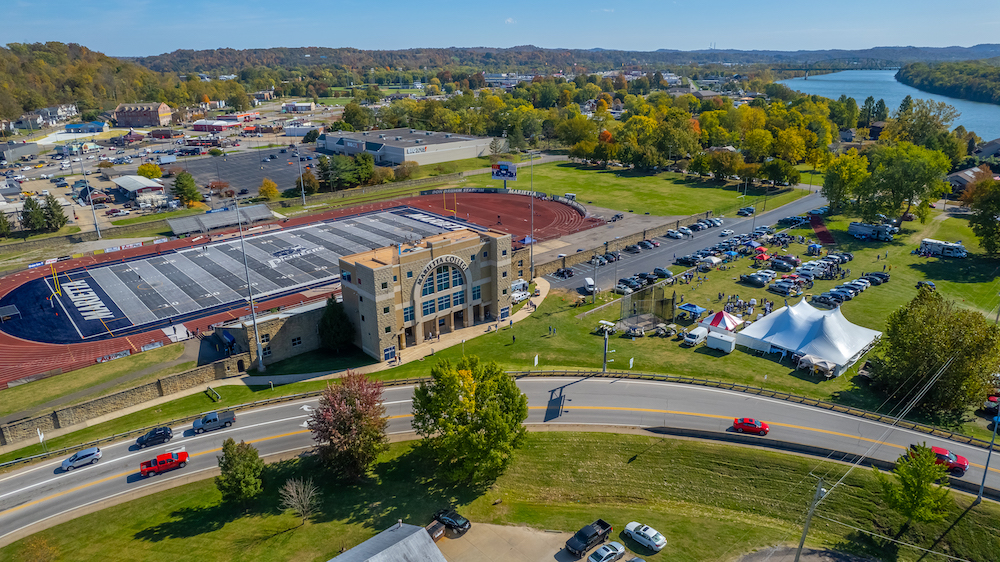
(913, 546)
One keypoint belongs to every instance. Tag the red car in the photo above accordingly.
(750, 425)
(164, 462)
(956, 464)
(654, 243)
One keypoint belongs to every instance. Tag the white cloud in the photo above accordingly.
(510, 21)
(608, 10)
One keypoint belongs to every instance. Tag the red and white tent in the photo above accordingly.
(722, 320)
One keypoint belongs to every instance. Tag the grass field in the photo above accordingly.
(711, 501)
(432, 170)
(25, 396)
(665, 193)
(198, 209)
(21, 236)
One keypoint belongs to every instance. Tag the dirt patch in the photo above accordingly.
(504, 543)
(787, 554)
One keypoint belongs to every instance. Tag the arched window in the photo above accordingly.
(428, 287)
(457, 279)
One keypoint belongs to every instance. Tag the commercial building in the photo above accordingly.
(11, 151)
(214, 125)
(142, 114)
(239, 116)
(298, 107)
(403, 295)
(134, 186)
(263, 95)
(92, 127)
(393, 146)
(301, 128)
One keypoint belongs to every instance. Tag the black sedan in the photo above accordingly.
(155, 437)
(452, 520)
(753, 280)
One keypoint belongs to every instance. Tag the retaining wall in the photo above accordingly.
(25, 430)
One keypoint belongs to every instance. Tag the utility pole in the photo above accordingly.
(606, 352)
(979, 497)
(820, 492)
(90, 195)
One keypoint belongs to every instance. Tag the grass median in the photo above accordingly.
(711, 501)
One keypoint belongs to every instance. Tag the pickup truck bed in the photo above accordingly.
(589, 537)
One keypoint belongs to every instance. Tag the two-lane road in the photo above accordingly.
(41, 492)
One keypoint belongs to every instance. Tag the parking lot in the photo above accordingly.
(504, 543)
(247, 171)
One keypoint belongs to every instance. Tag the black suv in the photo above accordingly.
(686, 260)
(633, 249)
(157, 436)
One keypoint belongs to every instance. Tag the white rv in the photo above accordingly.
(943, 249)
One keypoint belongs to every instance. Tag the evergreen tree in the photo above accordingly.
(240, 468)
(185, 189)
(32, 215)
(5, 226)
(335, 328)
(55, 218)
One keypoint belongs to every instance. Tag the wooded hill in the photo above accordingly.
(969, 80)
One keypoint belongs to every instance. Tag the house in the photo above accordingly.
(298, 107)
(62, 112)
(165, 134)
(142, 114)
(961, 179)
(218, 104)
(92, 127)
(875, 129)
(989, 149)
(399, 543)
(30, 121)
(263, 95)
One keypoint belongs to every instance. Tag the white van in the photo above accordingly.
(695, 336)
(589, 285)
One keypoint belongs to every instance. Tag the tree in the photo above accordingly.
(406, 170)
(470, 416)
(301, 497)
(904, 173)
(32, 215)
(215, 152)
(309, 180)
(150, 170)
(341, 172)
(5, 226)
(790, 146)
(583, 150)
(920, 337)
(105, 164)
(914, 492)
(382, 175)
(496, 146)
(781, 172)
(700, 164)
(240, 468)
(349, 425)
(843, 177)
(983, 197)
(54, 216)
(358, 117)
(335, 328)
(311, 136)
(185, 189)
(364, 164)
(757, 144)
(239, 101)
(268, 189)
(724, 163)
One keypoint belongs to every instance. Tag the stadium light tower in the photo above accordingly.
(246, 268)
(90, 196)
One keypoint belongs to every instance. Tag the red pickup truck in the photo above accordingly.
(164, 462)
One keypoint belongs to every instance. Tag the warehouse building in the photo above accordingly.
(142, 114)
(11, 151)
(393, 146)
(403, 295)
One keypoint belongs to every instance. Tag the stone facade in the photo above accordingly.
(283, 335)
(399, 296)
(24, 430)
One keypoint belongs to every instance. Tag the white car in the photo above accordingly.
(77, 160)
(726, 232)
(26, 168)
(608, 553)
(622, 289)
(674, 234)
(91, 157)
(519, 296)
(646, 536)
(685, 230)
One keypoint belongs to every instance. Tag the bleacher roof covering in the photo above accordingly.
(222, 219)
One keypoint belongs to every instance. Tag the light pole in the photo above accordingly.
(531, 251)
(246, 269)
(302, 182)
(979, 497)
(90, 196)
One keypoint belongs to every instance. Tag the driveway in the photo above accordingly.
(501, 543)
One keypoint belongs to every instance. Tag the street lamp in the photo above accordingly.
(531, 251)
(90, 196)
(302, 182)
(246, 269)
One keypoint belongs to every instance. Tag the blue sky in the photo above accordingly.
(144, 27)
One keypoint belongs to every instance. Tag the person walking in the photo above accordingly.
(513, 338)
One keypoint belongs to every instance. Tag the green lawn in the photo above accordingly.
(317, 361)
(711, 501)
(25, 396)
(810, 176)
(21, 236)
(432, 170)
(149, 217)
(665, 193)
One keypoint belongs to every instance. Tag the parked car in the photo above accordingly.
(674, 234)
(872, 279)
(82, 458)
(843, 295)
(649, 278)
(564, 272)
(750, 425)
(662, 272)
(452, 520)
(163, 463)
(214, 420)
(782, 265)
(623, 289)
(685, 230)
(633, 249)
(687, 260)
(726, 232)
(156, 436)
(753, 280)
(646, 536)
(608, 553)
(244, 191)
(825, 301)
(588, 537)
(883, 276)
(928, 284)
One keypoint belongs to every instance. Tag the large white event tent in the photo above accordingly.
(803, 329)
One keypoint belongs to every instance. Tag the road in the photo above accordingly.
(607, 276)
(37, 493)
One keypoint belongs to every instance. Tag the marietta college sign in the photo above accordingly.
(450, 259)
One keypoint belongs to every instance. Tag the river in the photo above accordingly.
(983, 118)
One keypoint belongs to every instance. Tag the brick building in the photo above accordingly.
(282, 335)
(403, 295)
(142, 114)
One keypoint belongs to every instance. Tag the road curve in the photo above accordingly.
(41, 495)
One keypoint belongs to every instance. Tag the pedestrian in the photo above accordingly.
(511, 322)
(550, 330)
(513, 338)
(553, 331)
(887, 254)
(878, 257)
(883, 268)
(890, 268)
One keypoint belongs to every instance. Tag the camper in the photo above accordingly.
(519, 285)
(943, 249)
(874, 231)
(695, 336)
(589, 286)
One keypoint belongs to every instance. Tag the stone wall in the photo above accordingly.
(584, 256)
(25, 430)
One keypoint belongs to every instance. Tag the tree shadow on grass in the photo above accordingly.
(190, 522)
(867, 546)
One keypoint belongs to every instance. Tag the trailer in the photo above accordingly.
(943, 249)
(165, 159)
(863, 231)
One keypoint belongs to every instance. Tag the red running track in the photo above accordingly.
(22, 358)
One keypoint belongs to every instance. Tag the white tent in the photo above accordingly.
(805, 330)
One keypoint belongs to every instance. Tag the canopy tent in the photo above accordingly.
(760, 249)
(732, 253)
(710, 260)
(815, 363)
(527, 240)
(805, 330)
(762, 257)
(722, 320)
(691, 308)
